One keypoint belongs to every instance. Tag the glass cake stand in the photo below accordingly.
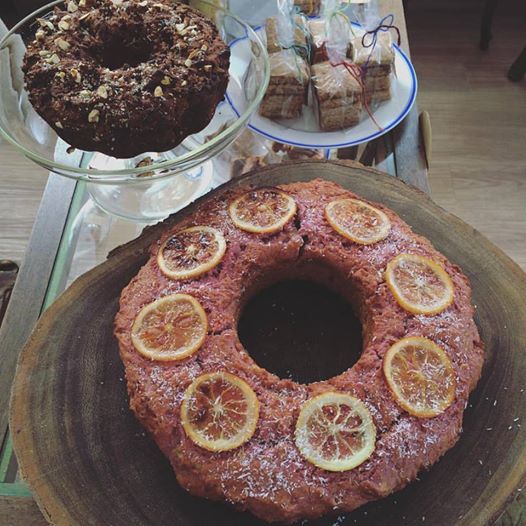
(150, 186)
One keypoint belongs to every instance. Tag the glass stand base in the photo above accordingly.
(151, 201)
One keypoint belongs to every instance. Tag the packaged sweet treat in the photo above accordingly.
(285, 32)
(309, 7)
(377, 63)
(350, 71)
(287, 90)
(379, 54)
(378, 83)
(338, 96)
(329, 34)
(318, 39)
(334, 40)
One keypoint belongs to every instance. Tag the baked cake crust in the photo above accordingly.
(124, 77)
(267, 475)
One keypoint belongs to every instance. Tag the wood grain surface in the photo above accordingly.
(89, 462)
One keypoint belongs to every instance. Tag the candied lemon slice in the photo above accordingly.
(191, 252)
(420, 375)
(420, 285)
(219, 411)
(357, 221)
(335, 431)
(262, 211)
(170, 328)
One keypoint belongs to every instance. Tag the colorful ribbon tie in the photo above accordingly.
(370, 37)
(358, 74)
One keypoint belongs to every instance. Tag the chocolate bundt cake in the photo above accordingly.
(280, 449)
(124, 77)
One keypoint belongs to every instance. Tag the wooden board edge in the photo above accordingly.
(26, 362)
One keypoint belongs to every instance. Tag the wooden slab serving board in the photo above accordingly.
(89, 462)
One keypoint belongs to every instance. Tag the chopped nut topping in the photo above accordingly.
(158, 91)
(58, 124)
(85, 15)
(76, 75)
(187, 62)
(193, 54)
(180, 27)
(46, 23)
(102, 91)
(116, 2)
(184, 83)
(94, 116)
(39, 35)
(208, 67)
(63, 25)
(44, 53)
(62, 44)
(85, 94)
(204, 47)
(54, 59)
(166, 81)
(144, 3)
(72, 7)
(82, 3)
(145, 161)
(60, 74)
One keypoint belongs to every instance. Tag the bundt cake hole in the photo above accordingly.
(118, 53)
(301, 330)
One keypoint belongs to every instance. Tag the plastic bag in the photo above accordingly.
(287, 90)
(288, 29)
(309, 7)
(338, 31)
(337, 96)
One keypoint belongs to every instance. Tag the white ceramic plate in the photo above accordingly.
(304, 132)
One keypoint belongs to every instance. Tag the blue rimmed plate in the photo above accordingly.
(305, 132)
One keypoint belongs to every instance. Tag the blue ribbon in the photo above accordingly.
(386, 24)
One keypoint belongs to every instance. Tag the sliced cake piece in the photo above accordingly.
(287, 91)
(338, 96)
(382, 54)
